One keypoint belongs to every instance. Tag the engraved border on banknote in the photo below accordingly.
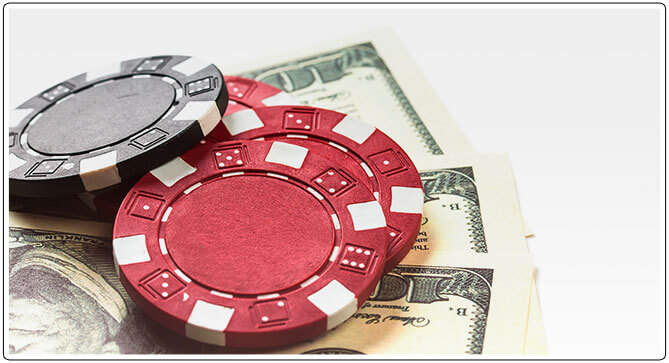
(331, 66)
(460, 182)
(429, 284)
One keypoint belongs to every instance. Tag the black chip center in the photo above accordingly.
(100, 116)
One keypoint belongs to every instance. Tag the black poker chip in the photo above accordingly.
(112, 124)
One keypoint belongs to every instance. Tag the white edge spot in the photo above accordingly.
(367, 170)
(315, 193)
(17, 115)
(242, 121)
(287, 154)
(163, 247)
(103, 71)
(406, 200)
(221, 294)
(335, 220)
(14, 162)
(206, 113)
(182, 275)
(295, 136)
(309, 281)
(232, 174)
(191, 66)
(278, 176)
(335, 253)
(207, 322)
(334, 144)
(336, 301)
(167, 214)
(131, 249)
(367, 215)
(354, 129)
(267, 296)
(280, 99)
(99, 171)
(173, 171)
(192, 187)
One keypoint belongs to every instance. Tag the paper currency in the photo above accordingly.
(438, 303)
(65, 297)
(372, 77)
(470, 205)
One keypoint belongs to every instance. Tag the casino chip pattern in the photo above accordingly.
(373, 158)
(111, 124)
(250, 243)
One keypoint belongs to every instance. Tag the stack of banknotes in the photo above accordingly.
(467, 286)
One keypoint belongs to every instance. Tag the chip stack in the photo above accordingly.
(242, 219)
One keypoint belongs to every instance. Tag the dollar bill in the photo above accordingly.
(470, 205)
(535, 336)
(371, 77)
(438, 303)
(64, 296)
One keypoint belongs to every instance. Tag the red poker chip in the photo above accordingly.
(374, 158)
(250, 243)
(248, 93)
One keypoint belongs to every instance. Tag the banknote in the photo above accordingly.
(64, 296)
(470, 205)
(438, 303)
(535, 335)
(372, 77)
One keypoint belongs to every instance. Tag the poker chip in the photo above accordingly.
(111, 124)
(248, 93)
(375, 160)
(250, 243)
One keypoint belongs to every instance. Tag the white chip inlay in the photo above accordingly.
(192, 187)
(277, 176)
(190, 66)
(207, 322)
(280, 99)
(334, 254)
(336, 301)
(367, 170)
(267, 296)
(182, 275)
(338, 146)
(309, 281)
(130, 249)
(163, 247)
(173, 171)
(99, 171)
(14, 162)
(242, 121)
(368, 215)
(103, 71)
(335, 221)
(206, 113)
(167, 214)
(354, 129)
(287, 154)
(406, 200)
(17, 115)
(315, 193)
(221, 294)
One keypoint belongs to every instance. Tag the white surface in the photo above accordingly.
(574, 93)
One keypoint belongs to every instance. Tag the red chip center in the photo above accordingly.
(250, 234)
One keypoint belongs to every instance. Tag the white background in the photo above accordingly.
(574, 93)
